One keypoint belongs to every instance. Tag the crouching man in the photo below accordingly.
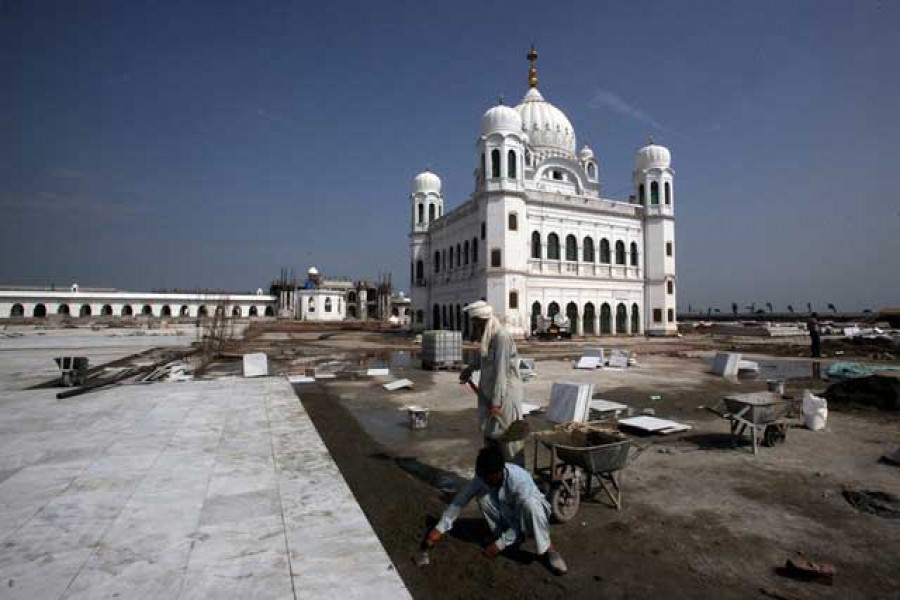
(511, 504)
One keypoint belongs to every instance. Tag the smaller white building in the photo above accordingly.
(317, 301)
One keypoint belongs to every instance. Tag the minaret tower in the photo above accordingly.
(654, 189)
(427, 206)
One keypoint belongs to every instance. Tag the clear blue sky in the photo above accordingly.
(208, 144)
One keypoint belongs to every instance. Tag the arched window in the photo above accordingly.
(483, 165)
(420, 316)
(605, 319)
(589, 313)
(635, 319)
(552, 309)
(254, 312)
(466, 253)
(513, 222)
(642, 194)
(621, 319)
(654, 192)
(535, 244)
(201, 311)
(604, 251)
(437, 268)
(457, 324)
(668, 193)
(146, 310)
(106, 311)
(571, 248)
(620, 252)
(63, 309)
(327, 304)
(591, 170)
(553, 246)
(430, 213)
(436, 317)
(85, 310)
(495, 164)
(236, 311)
(39, 311)
(270, 311)
(475, 250)
(17, 310)
(634, 254)
(511, 165)
(670, 287)
(167, 311)
(185, 311)
(496, 257)
(311, 305)
(421, 212)
(572, 315)
(420, 271)
(535, 315)
(588, 250)
(483, 230)
(514, 300)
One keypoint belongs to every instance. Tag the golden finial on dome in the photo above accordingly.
(532, 69)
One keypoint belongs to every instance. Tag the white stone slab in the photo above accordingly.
(569, 402)
(588, 362)
(606, 406)
(256, 365)
(378, 372)
(618, 359)
(528, 408)
(300, 379)
(726, 364)
(398, 385)
(654, 425)
(598, 352)
(748, 365)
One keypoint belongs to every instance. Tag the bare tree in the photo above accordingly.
(790, 308)
(769, 306)
(833, 308)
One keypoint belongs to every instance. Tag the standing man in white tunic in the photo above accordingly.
(500, 385)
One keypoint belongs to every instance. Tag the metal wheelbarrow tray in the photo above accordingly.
(576, 469)
(763, 415)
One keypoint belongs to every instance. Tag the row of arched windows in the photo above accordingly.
(587, 250)
(654, 193)
(450, 316)
(511, 164)
(40, 310)
(583, 323)
(445, 260)
(329, 306)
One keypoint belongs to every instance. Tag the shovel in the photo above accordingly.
(516, 432)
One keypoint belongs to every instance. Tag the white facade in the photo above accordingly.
(321, 305)
(536, 237)
(82, 303)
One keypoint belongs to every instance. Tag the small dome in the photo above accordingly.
(546, 125)
(653, 156)
(426, 182)
(586, 153)
(501, 119)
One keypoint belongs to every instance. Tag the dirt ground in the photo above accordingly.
(700, 518)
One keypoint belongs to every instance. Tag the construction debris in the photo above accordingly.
(618, 359)
(301, 379)
(605, 408)
(378, 372)
(588, 362)
(802, 568)
(726, 364)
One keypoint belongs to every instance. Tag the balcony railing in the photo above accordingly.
(540, 266)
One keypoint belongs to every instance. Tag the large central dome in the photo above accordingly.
(547, 126)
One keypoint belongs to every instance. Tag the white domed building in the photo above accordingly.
(537, 239)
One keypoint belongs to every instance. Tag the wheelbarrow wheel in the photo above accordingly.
(774, 434)
(565, 497)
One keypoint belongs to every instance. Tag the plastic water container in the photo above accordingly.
(418, 417)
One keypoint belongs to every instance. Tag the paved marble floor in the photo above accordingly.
(218, 489)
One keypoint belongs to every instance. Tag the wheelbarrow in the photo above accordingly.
(581, 463)
(762, 415)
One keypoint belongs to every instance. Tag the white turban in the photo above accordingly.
(483, 310)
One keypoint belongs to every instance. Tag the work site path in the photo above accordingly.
(203, 489)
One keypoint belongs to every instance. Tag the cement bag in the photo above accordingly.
(815, 411)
